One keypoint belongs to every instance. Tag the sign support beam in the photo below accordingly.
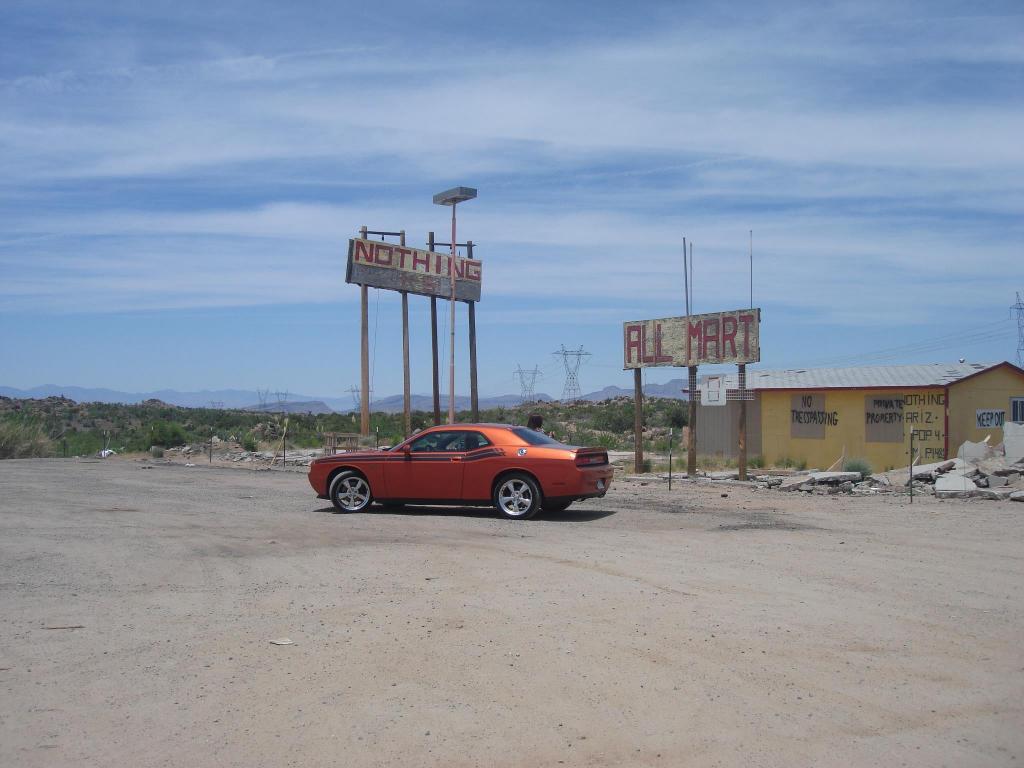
(364, 355)
(638, 421)
(691, 437)
(743, 422)
(474, 396)
(406, 382)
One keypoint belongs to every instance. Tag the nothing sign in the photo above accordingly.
(398, 268)
(719, 337)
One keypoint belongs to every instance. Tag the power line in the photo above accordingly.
(571, 359)
(934, 344)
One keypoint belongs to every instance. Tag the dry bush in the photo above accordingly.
(23, 441)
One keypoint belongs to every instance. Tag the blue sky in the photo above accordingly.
(179, 181)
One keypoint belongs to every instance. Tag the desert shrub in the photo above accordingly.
(167, 434)
(756, 462)
(23, 441)
(858, 465)
(250, 443)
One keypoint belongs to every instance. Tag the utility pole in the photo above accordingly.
(364, 354)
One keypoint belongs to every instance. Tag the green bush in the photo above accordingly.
(858, 465)
(250, 443)
(756, 462)
(167, 434)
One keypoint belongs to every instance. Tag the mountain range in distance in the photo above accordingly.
(243, 399)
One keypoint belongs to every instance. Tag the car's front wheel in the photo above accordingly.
(350, 492)
(517, 497)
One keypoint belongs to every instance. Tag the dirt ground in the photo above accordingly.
(710, 625)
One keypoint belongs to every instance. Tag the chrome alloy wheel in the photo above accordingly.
(515, 497)
(352, 493)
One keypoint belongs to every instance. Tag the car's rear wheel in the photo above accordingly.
(350, 492)
(556, 506)
(517, 496)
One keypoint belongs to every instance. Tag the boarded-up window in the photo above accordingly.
(883, 418)
(808, 417)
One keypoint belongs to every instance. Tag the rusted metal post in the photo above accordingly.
(364, 355)
(433, 344)
(743, 422)
(691, 439)
(474, 399)
(638, 421)
(406, 382)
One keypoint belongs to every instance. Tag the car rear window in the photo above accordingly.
(533, 437)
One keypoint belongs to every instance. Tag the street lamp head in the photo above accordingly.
(454, 195)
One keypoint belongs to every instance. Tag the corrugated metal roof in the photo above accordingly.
(863, 377)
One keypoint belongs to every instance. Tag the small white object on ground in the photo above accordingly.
(283, 641)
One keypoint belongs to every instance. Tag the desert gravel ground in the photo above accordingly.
(652, 628)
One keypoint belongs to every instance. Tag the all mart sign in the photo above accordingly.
(715, 338)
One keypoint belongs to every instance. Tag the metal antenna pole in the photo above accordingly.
(1019, 308)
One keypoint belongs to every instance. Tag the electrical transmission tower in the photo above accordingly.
(1019, 308)
(527, 381)
(571, 359)
(263, 394)
(355, 396)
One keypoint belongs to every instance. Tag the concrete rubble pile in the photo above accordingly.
(980, 471)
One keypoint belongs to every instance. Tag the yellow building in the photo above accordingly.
(818, 415)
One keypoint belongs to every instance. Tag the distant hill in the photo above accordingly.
(243, 399)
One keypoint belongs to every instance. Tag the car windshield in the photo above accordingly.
(533, 437)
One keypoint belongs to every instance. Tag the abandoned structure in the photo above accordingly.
(816, 415)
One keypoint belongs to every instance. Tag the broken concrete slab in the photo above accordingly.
(994, 494)
(1013, 442)
(954, 485)
(1017, 496)
(729, 475)
(995, 481)
(835, 477)
(882, 479)
(792, 483)
(975, 451)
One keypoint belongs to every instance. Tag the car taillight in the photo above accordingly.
(589, 459)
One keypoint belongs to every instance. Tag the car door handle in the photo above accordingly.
(456, 458)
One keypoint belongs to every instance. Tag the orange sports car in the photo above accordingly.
(518, 470)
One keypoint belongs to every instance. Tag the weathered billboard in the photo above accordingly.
(398, 268)
(718, 337)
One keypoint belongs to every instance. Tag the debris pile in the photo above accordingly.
(980, 471)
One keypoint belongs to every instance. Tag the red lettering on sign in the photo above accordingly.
(362, 252)
(634, 343)
(729, 327)
(402, 254)
(694, 332)
(473, 270)
(460, 267)
(383, 255)
(659, 356)
(419, 258)
(711, 335)
(746, 320)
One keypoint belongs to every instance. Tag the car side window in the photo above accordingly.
(475, 440)
(429, 442)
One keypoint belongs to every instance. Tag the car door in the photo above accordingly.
(432, 470)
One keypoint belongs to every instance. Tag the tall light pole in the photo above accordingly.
(453, 197)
